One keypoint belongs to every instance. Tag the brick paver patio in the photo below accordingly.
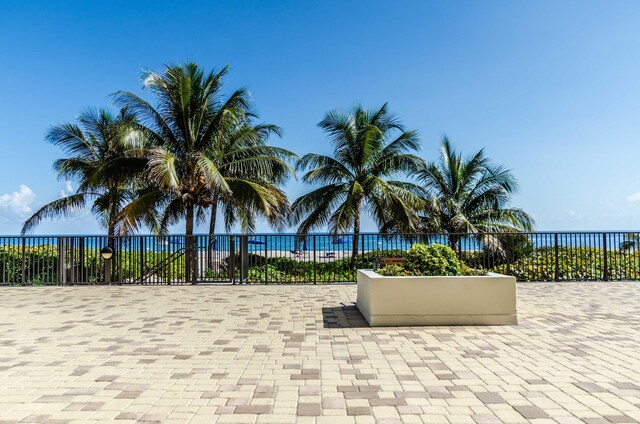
(285, 354)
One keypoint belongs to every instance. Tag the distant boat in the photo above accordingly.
(342, 240)
(256, 241)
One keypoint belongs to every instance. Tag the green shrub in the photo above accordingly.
(516, 246)
(574, 264)
(290, 270)
(392, 271)
(254, 260)
(467, 270)
(433, 259)
(512, 247)
(41, 265)
(215, 274)
(258, 275)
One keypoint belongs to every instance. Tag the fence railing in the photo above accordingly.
(313, 258)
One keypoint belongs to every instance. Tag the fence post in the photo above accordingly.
(141, 259)
(72, 253)
(119, 258)
(314, 260)
(24, 261)
(605, 272)
(82, 276)
(61, 262)
(556, 274)
(509, 256)
(111, 263)
(107, 270)
(196, 260)
(266, 261)
(232, 259)
(244, 258)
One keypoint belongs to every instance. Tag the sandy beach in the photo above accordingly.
(303, 256)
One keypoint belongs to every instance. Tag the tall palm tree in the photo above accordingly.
(190, 117)
(470, 196)
(101, 161)
(630, 241)
(370, 149)
(255, 173)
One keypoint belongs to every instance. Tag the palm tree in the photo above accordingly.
(630, 241)
(190, 117)
(470, 196)
(370, 147)
(255, 172)
(101, 160)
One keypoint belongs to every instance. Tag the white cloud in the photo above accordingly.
(18, 202)
(634, 198)
(573, 214)
(67, 190)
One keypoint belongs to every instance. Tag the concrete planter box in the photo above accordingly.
(461, 300)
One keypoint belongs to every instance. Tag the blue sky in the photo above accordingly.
(549, 88)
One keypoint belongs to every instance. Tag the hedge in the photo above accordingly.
(41, 265)
(574, 264)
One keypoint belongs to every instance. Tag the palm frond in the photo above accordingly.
(162, 169)
(55, 209)
(314, 209)
(209, 171)
(140, 212)
(368, 146)
(470, 196)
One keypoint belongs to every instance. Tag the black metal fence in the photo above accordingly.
(314, 258)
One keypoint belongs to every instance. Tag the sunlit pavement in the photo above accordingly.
(285, 354)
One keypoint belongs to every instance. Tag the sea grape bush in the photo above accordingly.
(574, 264)
(432, 259)
(303, 270)
(41, 264)
(422, 259)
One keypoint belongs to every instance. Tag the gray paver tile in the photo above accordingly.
(293, 354)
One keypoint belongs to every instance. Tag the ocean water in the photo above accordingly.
(321, 242)
(256, 243)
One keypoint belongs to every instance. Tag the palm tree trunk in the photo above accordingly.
(111, 237)
(111, 230)
(212, 233)
(190, 259)
(356, 235)
(453, 242)
(113, 211)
